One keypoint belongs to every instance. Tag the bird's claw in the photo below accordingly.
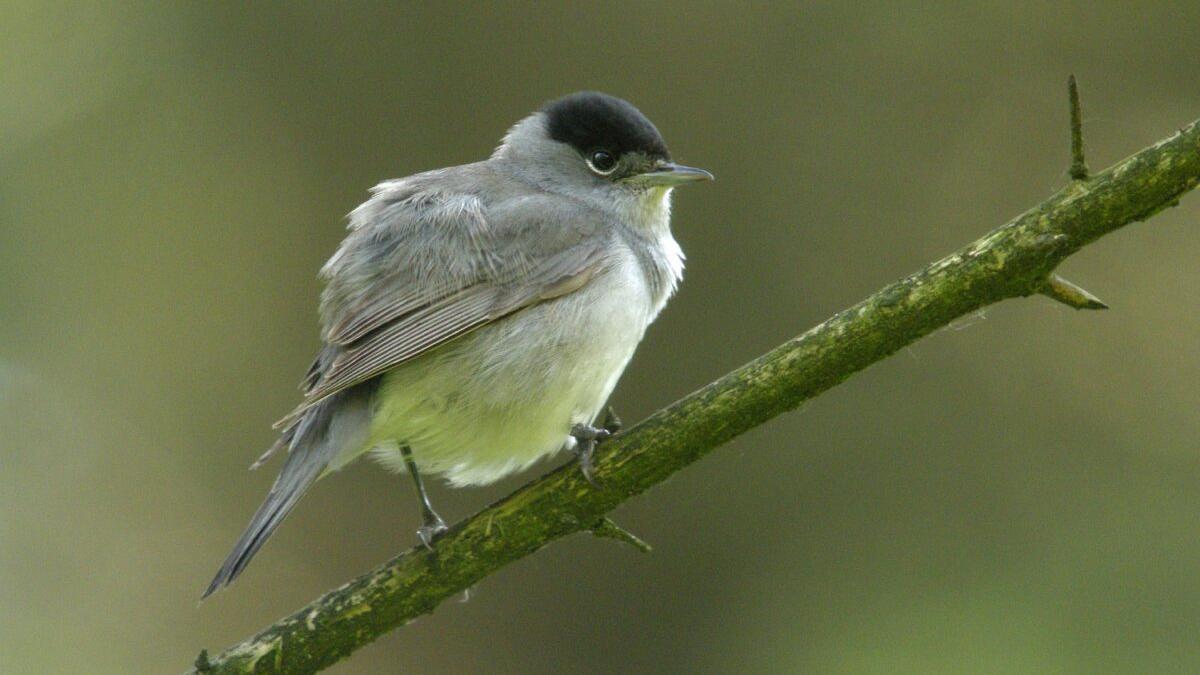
(431, 530)
(586, 437)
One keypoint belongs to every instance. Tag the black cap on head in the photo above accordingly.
(589, 120)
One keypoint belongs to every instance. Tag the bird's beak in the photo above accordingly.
(669, 175)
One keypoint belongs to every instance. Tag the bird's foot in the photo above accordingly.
(586, 437)
(433, 528)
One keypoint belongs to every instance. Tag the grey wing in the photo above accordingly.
(379, 318)
(411, 334)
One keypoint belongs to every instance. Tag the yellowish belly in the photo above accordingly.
(497, 400)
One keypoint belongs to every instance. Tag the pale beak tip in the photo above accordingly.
(676, 174)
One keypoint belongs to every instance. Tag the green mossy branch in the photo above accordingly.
(1017, 259)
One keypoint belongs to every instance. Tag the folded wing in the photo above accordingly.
(401, 307)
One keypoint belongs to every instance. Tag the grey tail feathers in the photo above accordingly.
(312, 444)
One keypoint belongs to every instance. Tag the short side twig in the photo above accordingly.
(607, 529)
(1070, 294)
(1079, 168)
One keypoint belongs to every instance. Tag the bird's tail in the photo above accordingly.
(313, 442)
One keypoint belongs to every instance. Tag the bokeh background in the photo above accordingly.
(1019, 493)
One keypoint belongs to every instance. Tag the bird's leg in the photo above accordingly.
(431, 523)
(586, 437)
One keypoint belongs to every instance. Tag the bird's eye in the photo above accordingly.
(602, 162)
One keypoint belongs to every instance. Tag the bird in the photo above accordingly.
(476, 318)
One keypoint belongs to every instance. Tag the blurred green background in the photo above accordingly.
(1017, 494)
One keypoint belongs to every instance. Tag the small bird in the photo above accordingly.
(476, 318)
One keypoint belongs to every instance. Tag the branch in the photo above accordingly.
(1015, 260)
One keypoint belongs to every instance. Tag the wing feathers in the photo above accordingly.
(423, 266)
(406, 338)
(376, 310)
(387, 345)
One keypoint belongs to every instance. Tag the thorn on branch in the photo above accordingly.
(1079, 168)
(1070, 294)
(611, 422)
(202, 664)
(607, 529)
